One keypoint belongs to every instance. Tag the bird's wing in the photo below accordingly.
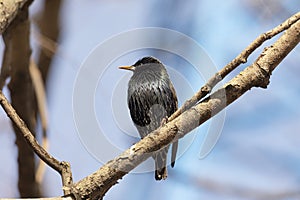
(147, 107)
(173, 109)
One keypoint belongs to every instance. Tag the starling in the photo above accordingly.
(151, 99)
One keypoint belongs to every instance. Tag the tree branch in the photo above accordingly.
(240, 59)
(256, 75)
(62, 167)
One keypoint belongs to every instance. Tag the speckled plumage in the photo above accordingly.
(152, 98)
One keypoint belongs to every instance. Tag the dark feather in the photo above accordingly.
(152, 98)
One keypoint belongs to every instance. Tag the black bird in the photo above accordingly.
(151, 99)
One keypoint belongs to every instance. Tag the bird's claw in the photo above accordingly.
(164, 121)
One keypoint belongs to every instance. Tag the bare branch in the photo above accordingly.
(62, 167)
(256, 75)
(241, 58)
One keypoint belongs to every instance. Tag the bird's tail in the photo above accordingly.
(161, 164)
(174, 152)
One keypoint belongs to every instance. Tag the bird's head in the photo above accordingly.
(141, 62)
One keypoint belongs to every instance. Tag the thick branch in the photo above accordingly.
(257, 75)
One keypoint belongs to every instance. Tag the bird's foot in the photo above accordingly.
(164, 121)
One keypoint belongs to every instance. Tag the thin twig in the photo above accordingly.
(240, 59)
(62, 167)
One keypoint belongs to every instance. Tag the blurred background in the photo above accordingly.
(257, 155)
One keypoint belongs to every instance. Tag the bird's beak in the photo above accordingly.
(131, 68)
